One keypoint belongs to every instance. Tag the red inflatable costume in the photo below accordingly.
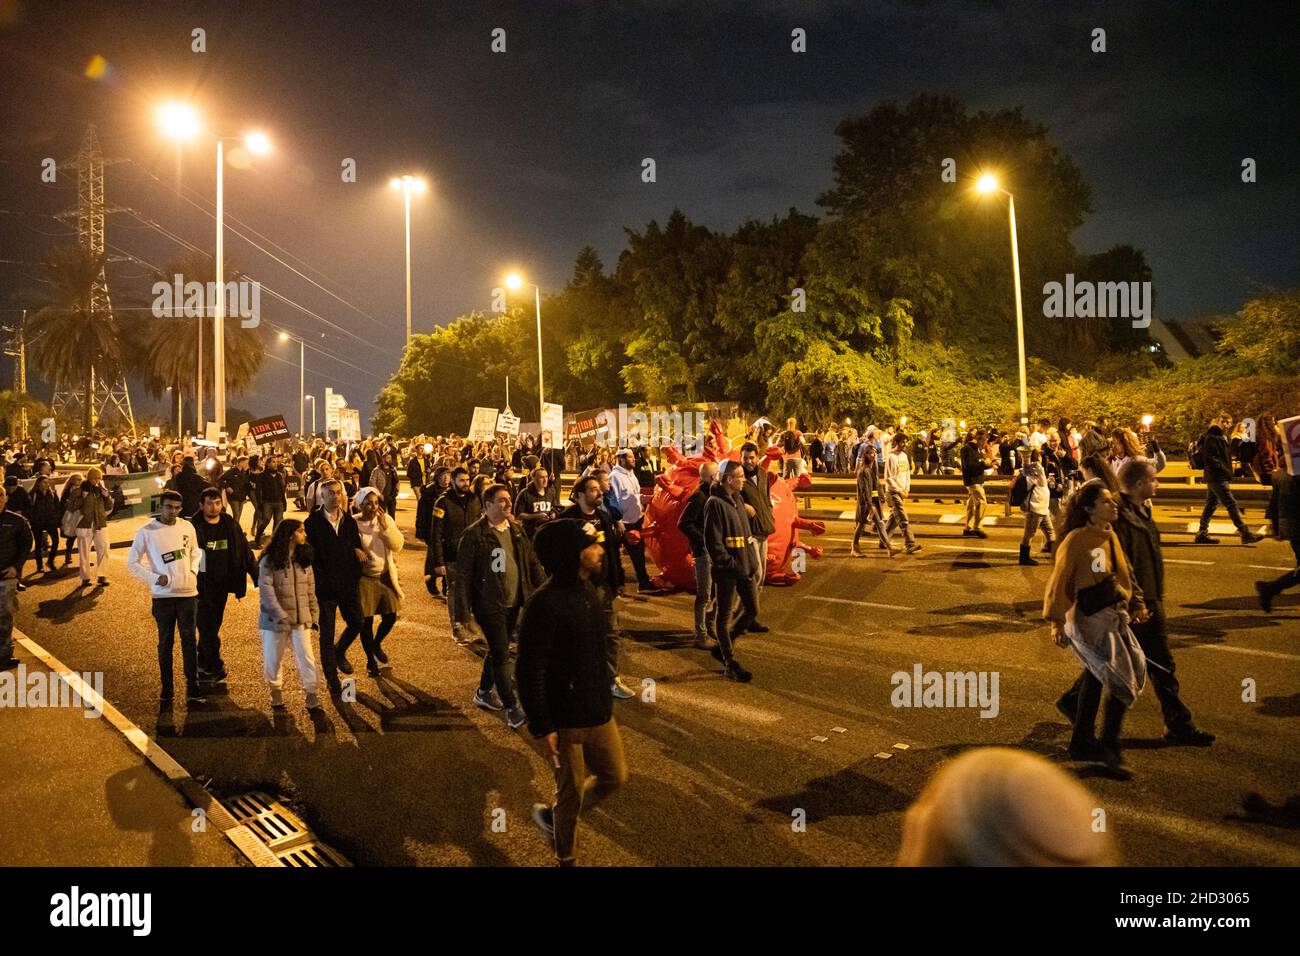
(667, 545)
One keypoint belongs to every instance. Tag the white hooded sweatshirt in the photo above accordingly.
(171, 550)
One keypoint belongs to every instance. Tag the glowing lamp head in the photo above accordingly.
(284, 336)
(257, 143)
(988, 183)
(394, 183)
(1147, 420)
(514, 281)
(428, 448)
(178, 121)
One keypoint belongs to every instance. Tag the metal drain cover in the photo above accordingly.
(282, 831)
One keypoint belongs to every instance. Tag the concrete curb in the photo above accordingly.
(955, 519)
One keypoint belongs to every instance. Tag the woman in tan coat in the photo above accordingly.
(1091, 574)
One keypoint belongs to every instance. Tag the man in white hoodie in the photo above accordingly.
(166, 555)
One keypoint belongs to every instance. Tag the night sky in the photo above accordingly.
(537, 151)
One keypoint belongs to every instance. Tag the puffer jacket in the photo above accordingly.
(288, 597)
(94, 505)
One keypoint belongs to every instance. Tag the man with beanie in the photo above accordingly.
(727, 537)
(165, 555)
(564, 683)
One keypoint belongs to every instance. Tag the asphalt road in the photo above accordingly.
(413, 772)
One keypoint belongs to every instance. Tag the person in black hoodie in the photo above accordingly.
(973, 466)
(270, 497)
(336, 545)
(190, 484)
(452, 513)
(563, 684)
(538, 502)
(727, 536)
(44, 516)
(237, 485)
(691, 524)
(1217, 473)
(227, 566)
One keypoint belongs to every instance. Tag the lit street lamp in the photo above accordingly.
(513, 282)
(302, 375)
(180, 122)
(408, 185)
(312, 399)
(986, 184)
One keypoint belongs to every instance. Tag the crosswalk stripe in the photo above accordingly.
(962, 547)
(1243, 650)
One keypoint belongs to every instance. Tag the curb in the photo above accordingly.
(1017, 522)
(194, 792)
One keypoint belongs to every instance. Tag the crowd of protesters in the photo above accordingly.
(517, 565)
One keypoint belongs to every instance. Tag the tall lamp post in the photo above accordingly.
(302, 375)
(408, 185)
(312, 399)
(180, 122)
(986, 184)
(513, 282)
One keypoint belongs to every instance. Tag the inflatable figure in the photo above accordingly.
(667, 546)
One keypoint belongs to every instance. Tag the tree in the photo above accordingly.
(70, 340)
(1266, 335)
(170, 347)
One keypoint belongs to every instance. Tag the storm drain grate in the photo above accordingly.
(282, 831)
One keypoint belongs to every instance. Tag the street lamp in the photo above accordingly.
(302, 375)
(312, 399)
(180, 122)
(408, 185)
(513, 282)
(987, 184)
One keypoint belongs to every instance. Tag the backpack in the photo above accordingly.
(1019, 491)
(1196, 453)
(790, 442)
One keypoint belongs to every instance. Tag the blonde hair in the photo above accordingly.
(93, 472)
(995, 806)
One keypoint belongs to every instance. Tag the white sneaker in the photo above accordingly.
(621, 690)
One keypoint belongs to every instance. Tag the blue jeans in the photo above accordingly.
(704, 596)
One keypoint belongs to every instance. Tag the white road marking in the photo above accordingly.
(1182, 561)
(835, 600)
(1268, 567)
(1242, 650)
(667, 694)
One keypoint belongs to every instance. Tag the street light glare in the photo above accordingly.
(257, 143)
(284, 336)
(178, 121)
(987, 183)
(514, 280)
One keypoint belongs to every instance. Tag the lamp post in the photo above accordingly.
(986, 184)
(514, 281)
(302, 375)
(312, 399)
(408, 185)
(181, 122)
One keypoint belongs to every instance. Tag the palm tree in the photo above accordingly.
(170, 347)
(71, 340)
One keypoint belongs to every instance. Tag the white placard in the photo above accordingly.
(508, 424)
(552, 425)
(483, 426)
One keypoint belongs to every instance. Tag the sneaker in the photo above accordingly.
(373, 668)
(1203, 537)
(980, 533)
(1189, 737)
(20, 586)
(544, 818)
(967, 532)
(515, 717)
(488, 701)
(1249, 537)
(913, 549)
(194, 694)
(8, 663)
(756, 628)
(103, 582)
(458, 635)
(855, 553)
(277, 697)
(344, 665)
(1265, 595)
(380, 655)
(620, 690)
(737, 674)
(704, 642)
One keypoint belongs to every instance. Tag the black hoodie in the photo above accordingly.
(562, 670)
